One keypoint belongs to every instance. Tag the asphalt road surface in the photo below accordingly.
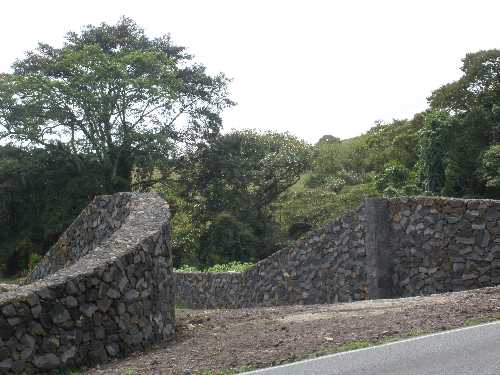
(466, 351)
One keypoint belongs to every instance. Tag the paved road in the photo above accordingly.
(466, 351)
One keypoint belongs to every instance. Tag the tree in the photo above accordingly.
(227, 187)
(490, 163)
(41, 192)
(433, 150)
(112, 92)
(477, 90)
(328, 138)
(244, 169)
(472, 104)
(395, 141)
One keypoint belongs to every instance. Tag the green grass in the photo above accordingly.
(346, 347)
(227, 267)
(319, 206)
(11, 280)
(230, 371)
(482, 320)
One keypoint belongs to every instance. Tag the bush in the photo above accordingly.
(394, 176)
(227, 239)
(315, 207)
(225, 267)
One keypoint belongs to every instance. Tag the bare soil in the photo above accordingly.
(227, 341)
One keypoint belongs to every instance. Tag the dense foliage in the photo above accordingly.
(113, 93)
(224, 267)
(115, 110)
(41, 192)
(227, 188)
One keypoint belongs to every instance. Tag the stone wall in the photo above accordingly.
(111, 295)
(325, 267)
(442, 244)
(107, 289)
(387, 248)
(96, 223)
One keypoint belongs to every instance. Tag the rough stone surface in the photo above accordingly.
(326, 266)
(387, 248)
(104, 290)
(443, 244)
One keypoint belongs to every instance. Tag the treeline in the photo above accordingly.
(114, 110)
(451, 149)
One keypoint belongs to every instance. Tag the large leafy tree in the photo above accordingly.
(472, 105)
(111, 91)
(227, 188)
(244, 169)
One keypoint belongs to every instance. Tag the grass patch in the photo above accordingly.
(11, 280)
(481, 320)
(415, 333)
(226, 267)
(231, 371)
(345, 347)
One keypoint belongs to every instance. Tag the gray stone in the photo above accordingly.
(469, 276)
(29, 341)
(6, 364)
(131, 295)
(9, 311)
(47, 361)
(71, 288)
(113, 349)
(104, 304)
(46, 294)
(36, 310)
(14, 321)
(88, 309)
(484, 279)
(71, 301)
(26, 353)
(466, 241)
(59, 314)
(68, 354)
(458, 267)
(113, 293)
(33, 300)
(37, 329)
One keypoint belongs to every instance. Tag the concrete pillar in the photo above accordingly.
(378, 251)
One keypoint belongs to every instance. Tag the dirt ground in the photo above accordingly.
(228, 341)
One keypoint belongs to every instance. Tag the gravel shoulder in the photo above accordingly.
(229, 341)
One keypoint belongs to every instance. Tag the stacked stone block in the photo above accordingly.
(114, 298)
(325, 267)
(387, 248)
(443, 244)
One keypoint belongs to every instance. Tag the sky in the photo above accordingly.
(307, 67)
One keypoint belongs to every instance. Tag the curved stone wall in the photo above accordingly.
(387, 248)
(97, 222)
(110, 295)
(327, 266)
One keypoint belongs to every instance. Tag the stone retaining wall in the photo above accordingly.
(107, 289)
(112, 294)
(387, 248)
(95, 223)
(444, 244)
(325, 267)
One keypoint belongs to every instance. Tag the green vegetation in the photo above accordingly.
(482, 320)
(231, 371)
(109, 111)
(115, 110)
(227, 267)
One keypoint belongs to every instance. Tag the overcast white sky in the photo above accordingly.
(307, 67)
